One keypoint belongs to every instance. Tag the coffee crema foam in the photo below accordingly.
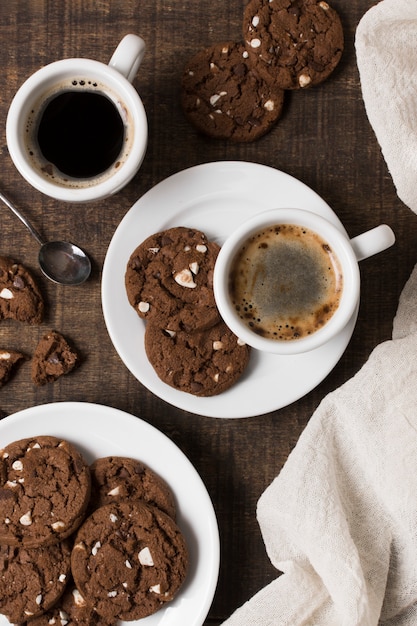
(285, 282)
(47, 169)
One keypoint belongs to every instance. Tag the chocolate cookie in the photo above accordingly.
(202, 363)
(44, 491)
(9, 361)
(297, 43)
(169, 277)
(128, 560)
(53, 357)
(20, 297)
(224, 96)
(70, 610)
(116, 478)
(32, 580)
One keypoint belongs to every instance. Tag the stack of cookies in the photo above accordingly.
(84, 544)
(169, 283)
(235, 90)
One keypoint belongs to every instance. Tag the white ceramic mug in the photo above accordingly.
(244, 319)
(74, 75)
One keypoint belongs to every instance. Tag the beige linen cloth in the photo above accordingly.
(386, 46)
(340, 520)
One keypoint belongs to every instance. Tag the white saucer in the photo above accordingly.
(215, 198)
(103, 431)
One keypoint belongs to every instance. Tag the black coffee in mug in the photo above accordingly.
(81, 133)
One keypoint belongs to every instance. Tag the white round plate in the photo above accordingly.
(215, 198)
(99, 431)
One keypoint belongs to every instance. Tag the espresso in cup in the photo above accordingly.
(78, 133)
(285, 282)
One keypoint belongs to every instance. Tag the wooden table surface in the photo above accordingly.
(324, 139)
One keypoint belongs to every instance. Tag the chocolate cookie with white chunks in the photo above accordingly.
(129, 560)
(53, 357)
(20, 296)
(9, 362)
(71, 610)
(32, 580)
(204, 363)
(224, 96)
(117, 478)
(169, 278)
(296, 43)
(44, 491)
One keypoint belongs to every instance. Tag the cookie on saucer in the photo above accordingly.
(203, 363)
(32, 580)
(129, 560)
(20, 296)
(117, 478)
(296, 43)
(44, 491)
(169, 278)
(224, 95)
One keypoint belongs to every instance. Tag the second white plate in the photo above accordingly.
(215, 198)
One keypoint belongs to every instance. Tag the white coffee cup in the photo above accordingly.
(78, 76)
(251, 288)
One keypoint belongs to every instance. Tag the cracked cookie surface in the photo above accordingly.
(32, 580)
(53, 357)
(129, 559)
(169, 277)
(224, 96)
(297, 43)
(44, 491)
(20, 297)
(116, 478)
(203, 363)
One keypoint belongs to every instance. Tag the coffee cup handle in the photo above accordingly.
(128, 56)
(372, 241)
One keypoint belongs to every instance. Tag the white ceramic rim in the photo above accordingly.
(42, 81)
(344, 252)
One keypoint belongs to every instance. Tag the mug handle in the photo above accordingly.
(372, 241)
(128, 56)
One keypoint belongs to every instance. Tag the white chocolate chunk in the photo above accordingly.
(255, 21)
(38, 599)
(194, 267)
(5, 356)
(78, 599)
(26, 519)
(145, 557)
(217, 345)
(112, 594)
(62, 578)
(114, 492)
(269, 105)
(144, 307)
(58, 525)
(6, 294)
(201, 248)
(255, 43)
(155, 588)
(304, 80)
(17, 465)
(185, 279)
(113, 518)
(95, 548)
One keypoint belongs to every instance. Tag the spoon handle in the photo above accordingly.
(22, 218)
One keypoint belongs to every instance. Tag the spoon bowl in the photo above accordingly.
(60, 261)
(64, 263)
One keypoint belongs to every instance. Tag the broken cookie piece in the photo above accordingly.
(20, 297)
(9, 361)
(53, 357)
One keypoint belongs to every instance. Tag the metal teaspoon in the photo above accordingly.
(60, 261)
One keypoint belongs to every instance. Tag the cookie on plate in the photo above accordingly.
(32, 580)
(9, 361)
(20, 297)
(296, 43)
(70, 610)
(128, 560)
(53, 357)
(203, 363)
(117, 478)
(224, 96)
(44, 491)
(169, 277)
